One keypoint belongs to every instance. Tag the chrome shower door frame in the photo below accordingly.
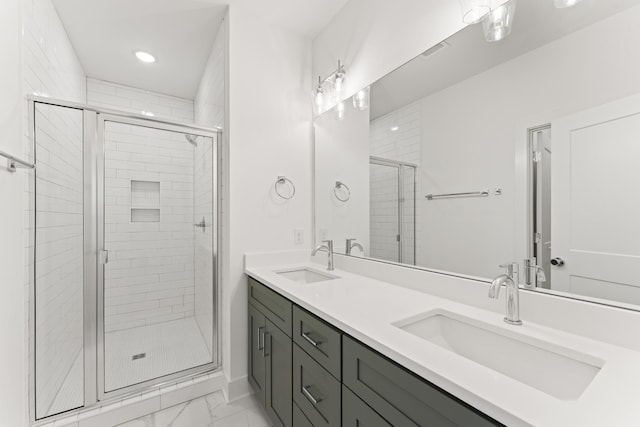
(93, 241)
(102, 394)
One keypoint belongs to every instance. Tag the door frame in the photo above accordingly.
(532, 197)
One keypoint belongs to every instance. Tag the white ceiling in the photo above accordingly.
(537, 22)
(179, 33)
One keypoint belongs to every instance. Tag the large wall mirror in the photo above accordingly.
(479, 153)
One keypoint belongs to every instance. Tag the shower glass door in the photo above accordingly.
(392, 210)
(157, 241)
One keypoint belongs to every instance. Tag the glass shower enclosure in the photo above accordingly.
(122, 244)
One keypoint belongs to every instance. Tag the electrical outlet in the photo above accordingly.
(298, 237)
(324, 234)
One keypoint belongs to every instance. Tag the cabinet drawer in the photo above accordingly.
(356, 413)
(400, 397)
(318, 339)
(315, 391)
(275, 307)
(300, 419)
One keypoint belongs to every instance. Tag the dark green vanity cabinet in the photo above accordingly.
(309, 374)
(270, 357)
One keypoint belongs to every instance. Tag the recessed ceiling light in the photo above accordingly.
(145, 57)
(147, 113)
(394, 128)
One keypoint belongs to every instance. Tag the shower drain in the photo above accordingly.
(139, 356)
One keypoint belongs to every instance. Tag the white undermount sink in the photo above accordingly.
(557, 371)
(305, 275)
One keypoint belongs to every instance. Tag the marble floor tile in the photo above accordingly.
(208, 411)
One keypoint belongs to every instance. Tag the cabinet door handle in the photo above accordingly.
(267, 344)
(314, 343)
(261, 338)
(308, 395)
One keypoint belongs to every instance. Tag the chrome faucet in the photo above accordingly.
(350, 245)
(510, 281)
(328, 248)
(533, 274)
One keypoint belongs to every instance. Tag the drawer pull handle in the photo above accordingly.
(308, 395)
(261, 338)
(314, 343)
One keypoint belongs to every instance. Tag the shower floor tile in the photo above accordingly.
(167, 347)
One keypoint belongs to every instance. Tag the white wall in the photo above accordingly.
(13, 314)
(350, 138)
(269, 134)
(133, 100)
(374, 37)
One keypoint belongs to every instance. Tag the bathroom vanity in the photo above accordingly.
(337, 380)
(338, 348)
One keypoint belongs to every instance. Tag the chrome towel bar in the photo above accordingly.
(483, 193)
(13, 162)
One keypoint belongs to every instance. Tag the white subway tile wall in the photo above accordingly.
(395, 136)
(138, 101)
(52, 69)
(149, 278)
(59, 252)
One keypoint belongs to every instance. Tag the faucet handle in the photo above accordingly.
(329, 244)
(510, 268)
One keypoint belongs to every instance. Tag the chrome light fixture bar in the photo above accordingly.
(336, 80)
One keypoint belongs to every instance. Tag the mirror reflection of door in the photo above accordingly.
(595, 205)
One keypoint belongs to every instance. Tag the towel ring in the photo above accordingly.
(340, 185)
(283, 180)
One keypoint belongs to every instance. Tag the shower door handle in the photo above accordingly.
(103, 257)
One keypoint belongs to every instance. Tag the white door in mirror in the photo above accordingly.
(595, 202)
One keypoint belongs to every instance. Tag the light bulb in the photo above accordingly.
(361, 99)
(319, 99)
(474, 10)
(497, 24)
(561, 4)
(338, 82)
(340, 111)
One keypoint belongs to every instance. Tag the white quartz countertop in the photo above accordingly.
(366, 309)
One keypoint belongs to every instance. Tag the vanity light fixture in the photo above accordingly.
(561, 4)
(145, 57)
(336, 80)
(361, 99)
(147, 113)
(498, 23)
(474, 10)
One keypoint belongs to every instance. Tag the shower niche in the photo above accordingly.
(145, 201)
(123, 290)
